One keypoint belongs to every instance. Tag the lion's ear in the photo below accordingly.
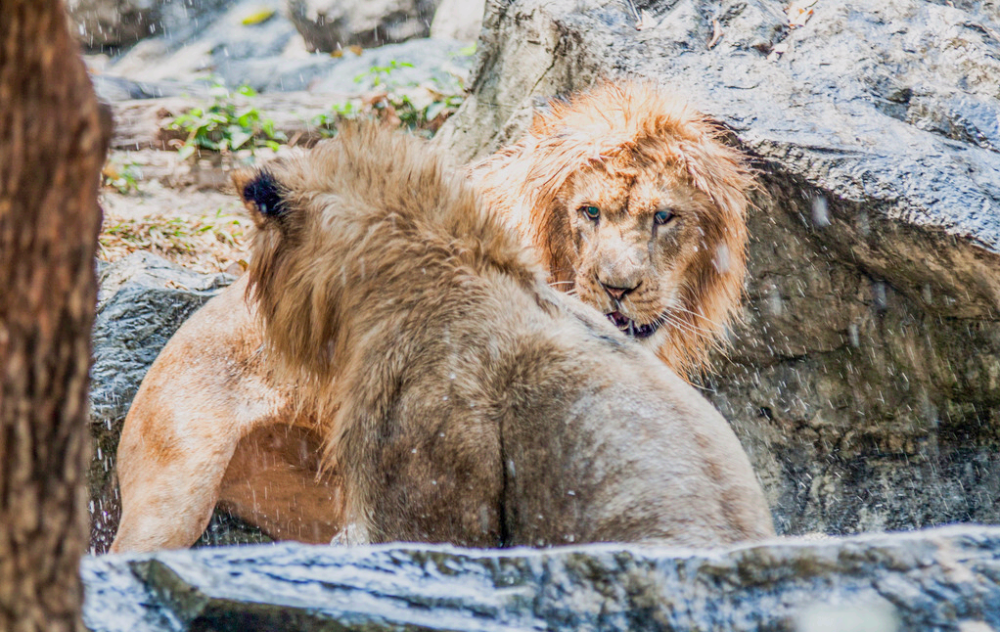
(262, 194)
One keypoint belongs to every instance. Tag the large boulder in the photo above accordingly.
(248, 39)
(458, 19)
(114, 23)
(864, 380)
(945, 581)
(330, 25)
(253, 43)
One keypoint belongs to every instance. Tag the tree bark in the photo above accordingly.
(53, 137)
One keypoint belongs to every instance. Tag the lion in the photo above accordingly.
(631, 202)
(461, 398)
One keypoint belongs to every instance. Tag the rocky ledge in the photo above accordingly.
(944, 580)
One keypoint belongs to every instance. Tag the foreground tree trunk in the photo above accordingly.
(52, 145)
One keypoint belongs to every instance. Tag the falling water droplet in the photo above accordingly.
(864, 224)
(774, 302)
(721, 259)
(820, 211)
(879, 299)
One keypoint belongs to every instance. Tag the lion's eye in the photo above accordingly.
(662, 217)
(592, 212)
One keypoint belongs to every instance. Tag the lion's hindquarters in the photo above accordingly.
(549, 435)
(626, 452)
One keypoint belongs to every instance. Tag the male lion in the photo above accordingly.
(630, 201)
(463, 400)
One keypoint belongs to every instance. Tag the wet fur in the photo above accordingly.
(464, 400)
(190, 440)
(637, 143)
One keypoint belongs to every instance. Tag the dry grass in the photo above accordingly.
(206, 243)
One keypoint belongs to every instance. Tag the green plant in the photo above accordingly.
(229, 122)
(466, 51)
(122, 176)
(418, 108)
(442, 108)
(326, 122)
(382, 75)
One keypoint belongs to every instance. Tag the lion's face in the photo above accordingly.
(632, 202)
(641, 235)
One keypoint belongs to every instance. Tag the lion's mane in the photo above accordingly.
(639, 126)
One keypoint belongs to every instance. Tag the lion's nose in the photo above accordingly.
(617, 293)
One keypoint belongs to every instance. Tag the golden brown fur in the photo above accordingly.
(463, 400)
(211, 382)
(221, 431)
(631, 151)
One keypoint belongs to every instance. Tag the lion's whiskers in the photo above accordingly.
(682, 324)
(701, 316)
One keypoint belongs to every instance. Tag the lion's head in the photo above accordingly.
(635, 204)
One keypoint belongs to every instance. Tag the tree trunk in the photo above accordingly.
(52, 145)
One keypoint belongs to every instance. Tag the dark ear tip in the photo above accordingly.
(265, 193)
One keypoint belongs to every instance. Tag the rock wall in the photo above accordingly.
(865, 378)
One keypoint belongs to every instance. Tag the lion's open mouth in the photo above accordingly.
(628, 326)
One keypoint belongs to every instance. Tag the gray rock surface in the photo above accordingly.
(142, 301)
(941, 580)
(329, 25)
(112, 23)
(458, 19)
(865, 378)
(112, 89)
(440, 63)
(228, 46)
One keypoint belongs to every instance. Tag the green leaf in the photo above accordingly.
(258, 17)
(238, 138)
(434, 109)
